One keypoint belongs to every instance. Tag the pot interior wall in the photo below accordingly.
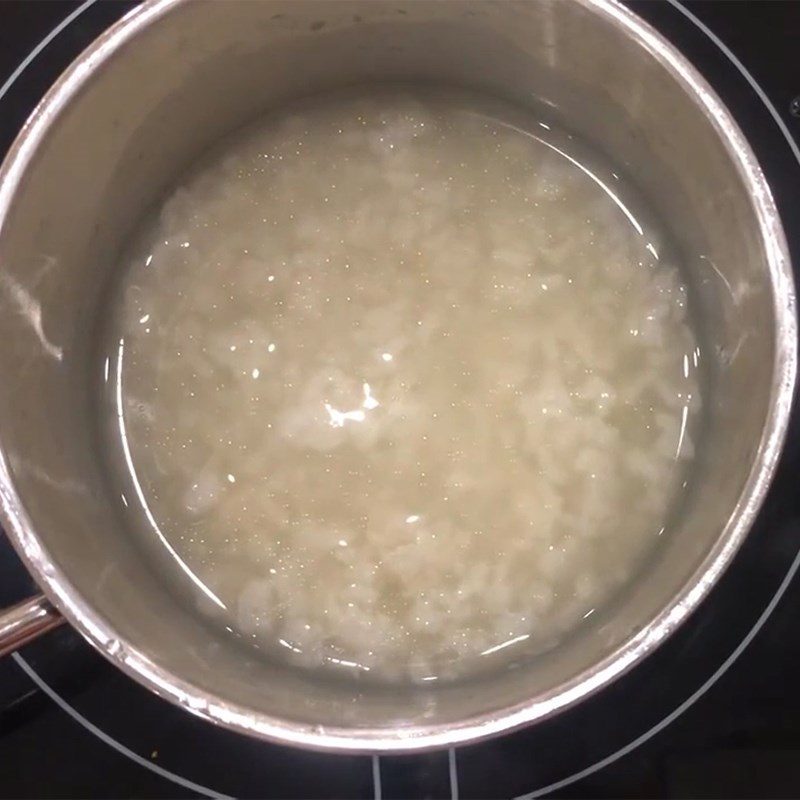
(202, 70)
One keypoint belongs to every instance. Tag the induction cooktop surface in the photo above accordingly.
(715, 711)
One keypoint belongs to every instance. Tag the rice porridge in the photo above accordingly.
(400, 385)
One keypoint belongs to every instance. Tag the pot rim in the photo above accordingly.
(135, 663)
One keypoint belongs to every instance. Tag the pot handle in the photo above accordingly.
(26, 621)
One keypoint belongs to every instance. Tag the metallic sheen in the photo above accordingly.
(26, 621)
(170, 79)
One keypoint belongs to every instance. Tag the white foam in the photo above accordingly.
(471, 384)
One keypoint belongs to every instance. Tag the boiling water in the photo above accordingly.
(401, 386)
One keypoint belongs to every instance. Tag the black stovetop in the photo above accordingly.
(715, 712)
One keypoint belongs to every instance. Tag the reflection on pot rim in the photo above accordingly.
(139, 665)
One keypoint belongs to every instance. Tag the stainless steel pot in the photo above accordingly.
(144, 100)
